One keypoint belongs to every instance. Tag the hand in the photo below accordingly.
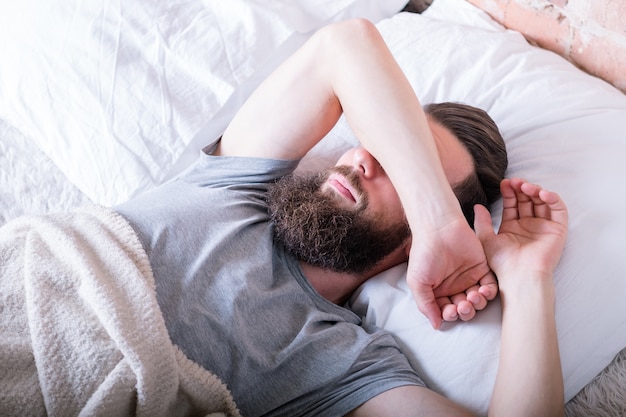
(465, 305)
(450, 262)
(532, 234)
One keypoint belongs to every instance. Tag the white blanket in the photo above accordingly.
(81, 330)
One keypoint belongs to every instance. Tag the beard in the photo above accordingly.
(311, 227)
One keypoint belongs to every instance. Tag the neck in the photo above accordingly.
(335, 286)
(338, 287)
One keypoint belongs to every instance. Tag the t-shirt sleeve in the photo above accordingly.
(381, 366)
(220, 171)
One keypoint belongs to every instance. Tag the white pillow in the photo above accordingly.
(114, 93)
(565, 130)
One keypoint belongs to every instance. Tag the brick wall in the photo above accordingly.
(590, 33)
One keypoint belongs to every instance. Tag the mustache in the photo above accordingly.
(349, 173)
(353, 178)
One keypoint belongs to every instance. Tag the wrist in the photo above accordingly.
(433, 212)
(526, 286)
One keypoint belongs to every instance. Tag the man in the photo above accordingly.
(250, 277)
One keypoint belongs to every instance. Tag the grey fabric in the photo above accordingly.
(239, 305)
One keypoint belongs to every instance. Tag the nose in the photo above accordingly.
(365, 164)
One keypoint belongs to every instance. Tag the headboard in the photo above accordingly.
(589, 33)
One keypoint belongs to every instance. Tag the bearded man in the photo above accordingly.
(253, 264)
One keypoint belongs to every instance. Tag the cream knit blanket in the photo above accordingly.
(81, 330)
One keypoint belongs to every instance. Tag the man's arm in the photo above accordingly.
(523, 254)
(347, 67)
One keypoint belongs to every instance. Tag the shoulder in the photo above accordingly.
(209, 169)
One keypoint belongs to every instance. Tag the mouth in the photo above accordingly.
(342, 187)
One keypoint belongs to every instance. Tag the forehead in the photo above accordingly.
(456, 160)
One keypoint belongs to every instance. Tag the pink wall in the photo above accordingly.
(590, 33)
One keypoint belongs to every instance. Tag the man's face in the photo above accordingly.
(350, 217)
(315, 225)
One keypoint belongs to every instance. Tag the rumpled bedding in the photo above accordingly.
(81, 330)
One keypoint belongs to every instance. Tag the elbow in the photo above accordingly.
(350, 35)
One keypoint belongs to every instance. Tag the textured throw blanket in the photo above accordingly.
(81, 330)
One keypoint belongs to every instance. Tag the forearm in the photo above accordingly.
(529, 380)
(347, 67)
(387, 117)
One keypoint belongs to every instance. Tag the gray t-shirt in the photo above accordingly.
(239, 305)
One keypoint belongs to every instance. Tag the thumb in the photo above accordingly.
(482, 223)
(427, 305)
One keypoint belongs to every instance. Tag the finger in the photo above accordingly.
(449, 313)
(433, 314)
(509, 201)
(540, 208)
(488, 286)
(474, 296)
(525, 206)
(482, 223)
(464, 308)
(427, 305)
(558, 209)
(448, 309)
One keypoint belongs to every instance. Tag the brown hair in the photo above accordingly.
(481, 137)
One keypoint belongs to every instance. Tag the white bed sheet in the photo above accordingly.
(115, 92)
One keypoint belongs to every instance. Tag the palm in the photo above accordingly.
(525, 242)
(533, 229)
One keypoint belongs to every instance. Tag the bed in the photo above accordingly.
(102, 101)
